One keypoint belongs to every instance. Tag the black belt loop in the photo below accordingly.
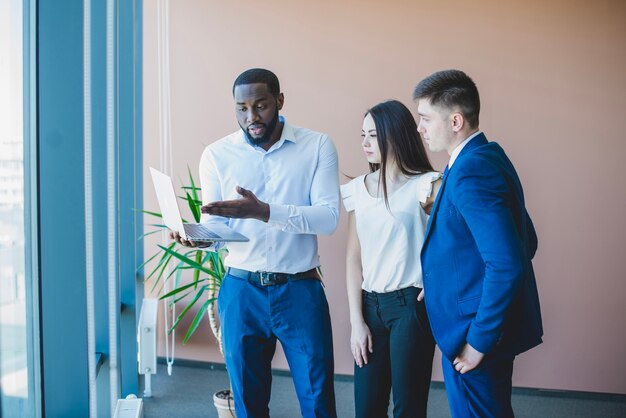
(401, 299)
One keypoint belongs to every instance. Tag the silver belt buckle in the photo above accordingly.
(265, 278)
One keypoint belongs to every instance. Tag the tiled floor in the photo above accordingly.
(188, 394)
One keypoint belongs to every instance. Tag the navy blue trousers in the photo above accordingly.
(484, 392)
(402, 357)
(296, 313)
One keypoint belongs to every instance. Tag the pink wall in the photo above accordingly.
(552, 77)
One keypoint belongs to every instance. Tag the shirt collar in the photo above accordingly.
(288, 133)
(460, 147)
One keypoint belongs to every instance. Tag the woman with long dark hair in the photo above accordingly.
(388, 211)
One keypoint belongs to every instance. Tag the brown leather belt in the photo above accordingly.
(266, 278)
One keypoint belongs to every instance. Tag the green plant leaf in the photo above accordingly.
(148, 233)
(182, 314)
(207, 267)
(147, 261)
(195, 210)
(194, 189)
(176, 270)
(179, 298)
(161, 266)
(196, 273)
(196, 320)
(218, 265)
(195, 201)
(147, 212)
(179, 273)
(163, 259)
(180, 289)
(189, 261)
(161, 271)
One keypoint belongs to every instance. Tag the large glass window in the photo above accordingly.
(16, 347)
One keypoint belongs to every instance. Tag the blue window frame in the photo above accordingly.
(61, 215)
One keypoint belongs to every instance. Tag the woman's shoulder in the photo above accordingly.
(349, 192)
(426, 183)
(352, 183)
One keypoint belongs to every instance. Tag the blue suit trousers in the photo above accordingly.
(484, 392)
(253, 318)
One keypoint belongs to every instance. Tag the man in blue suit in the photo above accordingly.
(479, 284)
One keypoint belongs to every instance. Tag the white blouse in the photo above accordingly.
(391, 239)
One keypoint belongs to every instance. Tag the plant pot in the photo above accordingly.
(224, 403)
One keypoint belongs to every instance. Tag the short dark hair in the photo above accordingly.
(396, 134)
(451, 88)
(259, 75)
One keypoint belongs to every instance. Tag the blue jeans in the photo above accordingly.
(295, 313)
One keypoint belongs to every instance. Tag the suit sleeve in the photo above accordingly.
(487, 205)
(531, 236)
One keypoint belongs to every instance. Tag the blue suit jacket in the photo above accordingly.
(478, 277)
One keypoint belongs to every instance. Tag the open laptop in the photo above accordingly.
(172, 219)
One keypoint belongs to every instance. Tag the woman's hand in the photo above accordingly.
(361, 343)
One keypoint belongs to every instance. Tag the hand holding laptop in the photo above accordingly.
(175, 235)
(248, 206)
(188, 234)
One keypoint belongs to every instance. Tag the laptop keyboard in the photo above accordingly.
(197, 232)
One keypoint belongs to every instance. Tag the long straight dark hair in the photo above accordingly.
(396, 134)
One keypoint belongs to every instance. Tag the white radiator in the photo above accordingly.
(131, 407)
(147, 342)
(147, 337)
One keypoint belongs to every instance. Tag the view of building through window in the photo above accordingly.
(14, 368)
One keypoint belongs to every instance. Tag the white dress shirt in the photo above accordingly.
(459, 148)
(297, 177)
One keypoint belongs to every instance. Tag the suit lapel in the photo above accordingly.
(433, 212)
(469, 147)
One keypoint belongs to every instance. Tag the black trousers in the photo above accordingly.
(402, 359)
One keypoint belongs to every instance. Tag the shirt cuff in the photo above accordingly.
(279, 214)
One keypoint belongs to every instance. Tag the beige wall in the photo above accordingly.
(552, 77)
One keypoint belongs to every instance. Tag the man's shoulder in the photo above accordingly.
(480, 154)
(233, 139)
(306, 134)
(306, 131)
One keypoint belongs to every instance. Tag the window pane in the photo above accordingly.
(15, 350)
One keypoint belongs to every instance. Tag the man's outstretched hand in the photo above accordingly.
(248, 206)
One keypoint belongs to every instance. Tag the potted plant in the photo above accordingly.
(207, 268)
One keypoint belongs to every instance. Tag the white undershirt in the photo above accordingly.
(390, 241)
